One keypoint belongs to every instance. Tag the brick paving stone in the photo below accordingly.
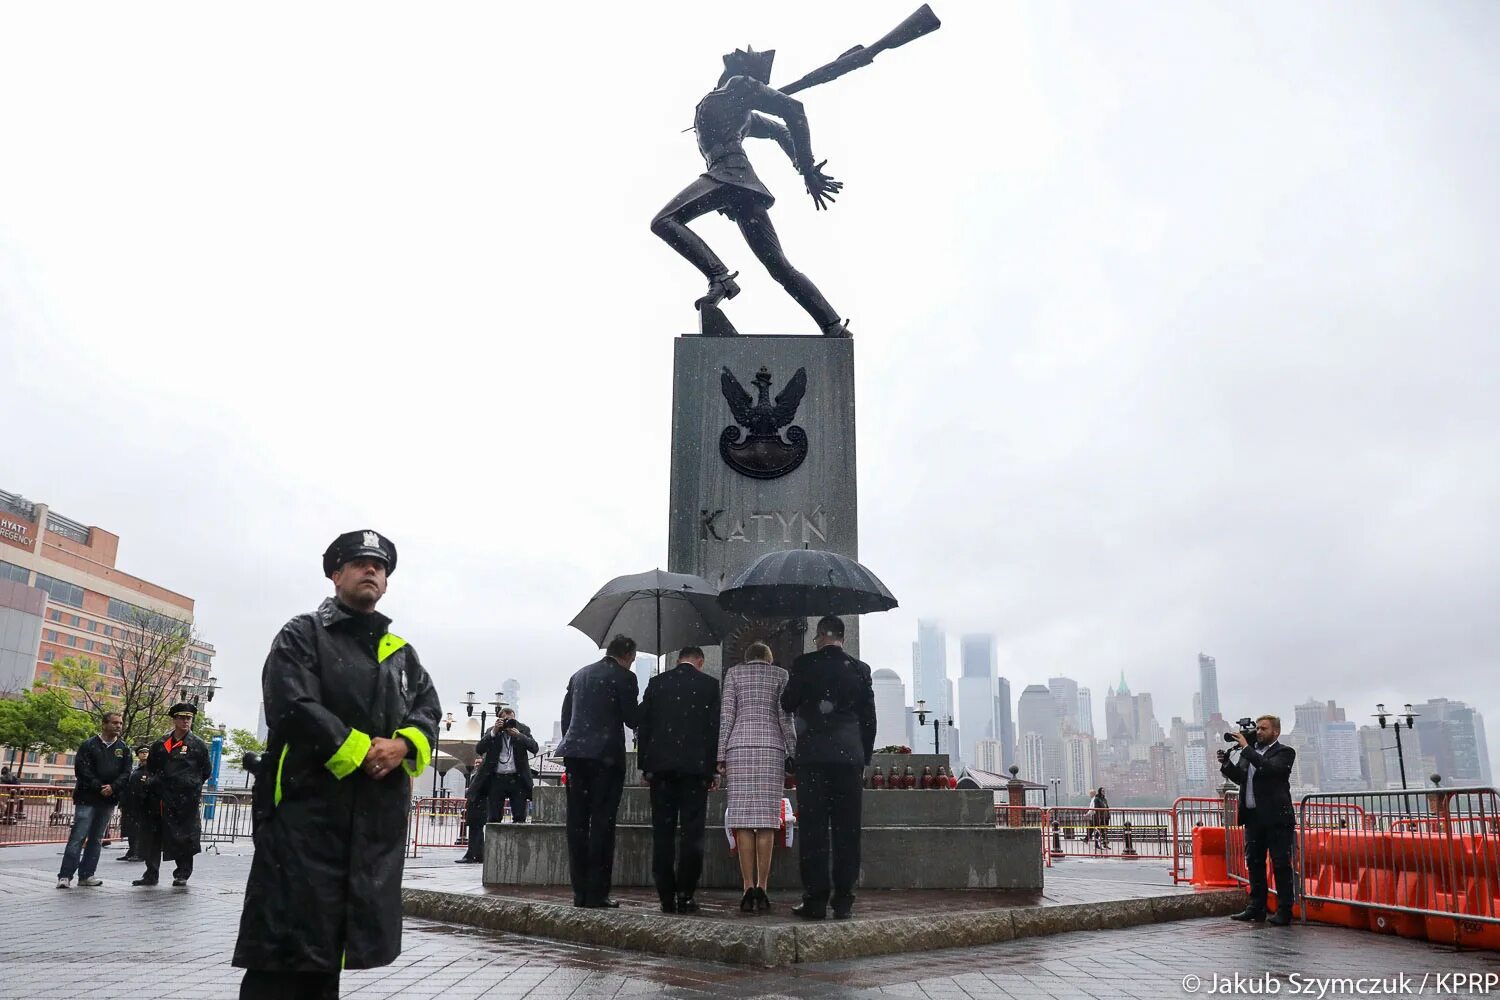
(168, 943)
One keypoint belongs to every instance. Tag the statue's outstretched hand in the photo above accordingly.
(821, 186)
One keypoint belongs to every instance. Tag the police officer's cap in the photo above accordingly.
(183, 708)
(357, 544)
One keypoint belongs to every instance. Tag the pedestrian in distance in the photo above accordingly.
(177, 765)
(133, 806)
(101, 768)
(353, 718)
(756, 745)
(675, 745)
(1264, 773)
(602, 699)
(1099, 819)
(831, 696)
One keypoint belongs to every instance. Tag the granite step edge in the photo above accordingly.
(743, 943)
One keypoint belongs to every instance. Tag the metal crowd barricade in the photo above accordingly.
(226, 817)
(41, 814)
(1128, 832)
(1191, 813)
(436, 822)
(1418, 863)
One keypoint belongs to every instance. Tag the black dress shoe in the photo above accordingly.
(668, 906)
(843, 912)
(747, 901)
(126, 857)
(809, 912)
(687, 904)
(607, 904)
(762, 901)
(144, 881)
(1250, 914)
(1281, 918)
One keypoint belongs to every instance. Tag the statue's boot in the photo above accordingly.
(838, 328)
(720, 288)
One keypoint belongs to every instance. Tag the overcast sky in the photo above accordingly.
(1175, 323)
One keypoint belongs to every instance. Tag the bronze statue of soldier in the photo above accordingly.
(744, 105)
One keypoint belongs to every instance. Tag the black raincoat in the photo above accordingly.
(175, 773)
(325, 885)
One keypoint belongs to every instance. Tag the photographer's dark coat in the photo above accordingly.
(325, 887)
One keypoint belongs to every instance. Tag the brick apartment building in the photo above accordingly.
(62, 596)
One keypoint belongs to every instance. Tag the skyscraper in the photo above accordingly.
(1085, 711)
(1079, 765)
(1005, 727)
(929, 669)
(1065, 693)
(976, 692)
(1341, 753)
(511, 689)
(890, 708)
(1452, 733)
(1036, 721)
(1208, 685)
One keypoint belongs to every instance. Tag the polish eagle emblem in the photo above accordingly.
(756, 445)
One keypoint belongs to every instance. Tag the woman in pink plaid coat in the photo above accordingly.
(755, 739)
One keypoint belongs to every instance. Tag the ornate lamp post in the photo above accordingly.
(469, 704)
(1409, 717)
(921, 713)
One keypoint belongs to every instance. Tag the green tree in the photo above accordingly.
(42, 721)
(146, 670)
(242, 741)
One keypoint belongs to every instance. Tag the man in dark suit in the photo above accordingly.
(1264, 773)
(601, 701)
(831, 696)
(504, 775)
(676, 743)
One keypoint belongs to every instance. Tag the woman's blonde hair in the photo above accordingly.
(758, 651)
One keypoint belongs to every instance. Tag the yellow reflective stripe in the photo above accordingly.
(349, 755)
(424, 749)
(389, 643)
(280, 763)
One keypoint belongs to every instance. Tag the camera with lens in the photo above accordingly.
(1246, 728)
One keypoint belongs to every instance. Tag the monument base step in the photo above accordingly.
(892, 857)
(960, 808)
(965, 919)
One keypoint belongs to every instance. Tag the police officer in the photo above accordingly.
(353, 719)
(177, 765)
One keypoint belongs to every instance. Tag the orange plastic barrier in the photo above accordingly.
(1358, 873)
(1210, 864)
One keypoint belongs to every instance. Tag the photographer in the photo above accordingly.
(505, 750)
(1264, 772)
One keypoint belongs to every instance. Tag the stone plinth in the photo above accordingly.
(721, 519)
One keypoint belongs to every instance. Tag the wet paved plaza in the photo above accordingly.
(118, 942)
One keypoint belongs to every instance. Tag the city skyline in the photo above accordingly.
(1322, 757)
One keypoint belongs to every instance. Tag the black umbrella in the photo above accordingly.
(806, 582)
(660, 611)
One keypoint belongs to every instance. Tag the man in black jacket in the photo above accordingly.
(676, 742)
(133, 805)
(602, 699)
(1264, 773)
(101, 768)
(831, 696)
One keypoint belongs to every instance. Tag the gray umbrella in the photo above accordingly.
(660, 611)
(806, 582)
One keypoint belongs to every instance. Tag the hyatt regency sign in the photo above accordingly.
(15, 531)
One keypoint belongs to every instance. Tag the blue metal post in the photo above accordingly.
(216, 755)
